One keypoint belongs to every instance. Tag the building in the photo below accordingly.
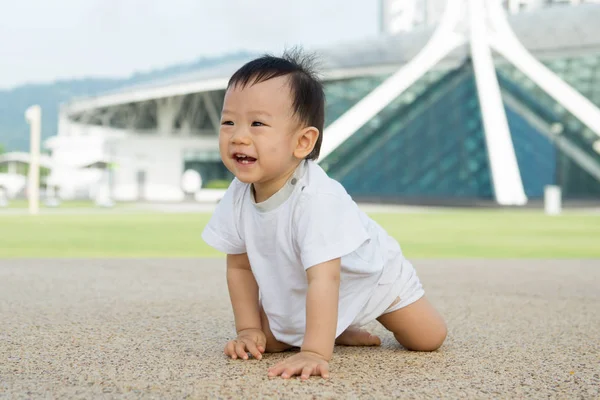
(14, 168)
(425, 115)
(406, 15)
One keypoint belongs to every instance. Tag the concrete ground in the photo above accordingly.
(156, 328)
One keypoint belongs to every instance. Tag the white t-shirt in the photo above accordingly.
(311, 220)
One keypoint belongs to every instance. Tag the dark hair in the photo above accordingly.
(306, 88)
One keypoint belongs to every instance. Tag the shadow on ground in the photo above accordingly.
(156, 329)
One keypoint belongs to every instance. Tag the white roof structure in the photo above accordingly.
(25, 158)
(556, 50)
(544, 32)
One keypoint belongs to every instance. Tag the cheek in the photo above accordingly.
(281, 146)
(222, 145)
(279, 152)
(223, 139)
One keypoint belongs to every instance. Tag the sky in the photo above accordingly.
(42, 40)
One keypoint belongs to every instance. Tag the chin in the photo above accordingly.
(245, 179)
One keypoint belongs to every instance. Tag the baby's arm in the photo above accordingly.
(243, 291)
(322, 308)
(321, 324)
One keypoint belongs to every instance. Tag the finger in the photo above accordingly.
(306, 373)
(251, 346)
(261, 344)
(230, 349)
(290, 371)
(277, 369)
(240, 350)
(324, 370)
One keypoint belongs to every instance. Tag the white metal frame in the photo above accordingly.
(505, 42)
(151, 93)
(578, 156)
(443, 41)
(506, 177)
(488, 29)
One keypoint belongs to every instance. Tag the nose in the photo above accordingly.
(240, 136)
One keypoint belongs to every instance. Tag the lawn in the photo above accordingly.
(20, 203)
(449, 234)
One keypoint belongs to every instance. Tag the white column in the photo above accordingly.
(189, 118)
(212, 111)
(506, 177)
(34, 117)
(167, 109)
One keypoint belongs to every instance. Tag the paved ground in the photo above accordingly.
(156, 328)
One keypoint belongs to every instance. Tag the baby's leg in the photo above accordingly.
(273, 345)
(417, 326)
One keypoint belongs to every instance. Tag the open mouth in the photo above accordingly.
(243, 158)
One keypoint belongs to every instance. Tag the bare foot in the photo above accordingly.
(357, 337)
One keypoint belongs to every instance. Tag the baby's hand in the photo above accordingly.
(304, 363)
(248, 340)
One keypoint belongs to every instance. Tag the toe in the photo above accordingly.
(375, 340)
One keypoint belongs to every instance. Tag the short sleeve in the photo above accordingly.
(328, 226)
(222, 231)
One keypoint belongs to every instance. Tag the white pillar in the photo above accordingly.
(552, 200)
(167, 110)
(33, 115)
(506, 177)
(213, 112)
(3, 197)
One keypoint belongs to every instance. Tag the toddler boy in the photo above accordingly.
(305, 266)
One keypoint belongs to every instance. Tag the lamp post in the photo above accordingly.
(33, 115)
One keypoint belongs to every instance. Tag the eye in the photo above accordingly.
(227, 123)
(257, 123)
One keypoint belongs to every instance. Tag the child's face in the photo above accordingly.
(258, 134)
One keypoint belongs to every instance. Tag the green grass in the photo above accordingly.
(20, 204)
(451, 234)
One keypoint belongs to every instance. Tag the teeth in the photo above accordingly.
(242, 156)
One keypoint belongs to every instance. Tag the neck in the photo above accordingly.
(264, 190)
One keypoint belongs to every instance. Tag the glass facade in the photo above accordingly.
(574, 181)
(536, 155)
(426, 144)
(341, 95)
(429, 143)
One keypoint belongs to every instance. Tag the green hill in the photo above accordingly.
(14, 131)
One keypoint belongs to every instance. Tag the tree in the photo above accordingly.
(1, 148)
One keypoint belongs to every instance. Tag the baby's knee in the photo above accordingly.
(431, 341)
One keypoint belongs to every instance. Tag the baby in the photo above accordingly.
(305, 266)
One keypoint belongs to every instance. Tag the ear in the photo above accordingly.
(306, 140)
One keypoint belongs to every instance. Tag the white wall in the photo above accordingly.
(69, 154)
(161, 157)
(162, 160)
